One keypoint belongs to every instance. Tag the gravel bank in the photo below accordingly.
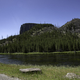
(5, 77)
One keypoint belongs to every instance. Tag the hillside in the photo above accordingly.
(41, 28)
(43, 38)
(73, 25)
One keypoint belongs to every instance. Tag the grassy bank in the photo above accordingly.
(48, 72)
(43, 52)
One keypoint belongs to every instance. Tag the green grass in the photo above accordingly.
(48, 72)
(67, 52)
(43, 52)
(4, 53)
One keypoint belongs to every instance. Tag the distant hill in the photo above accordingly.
(43, 38)
(73, 26)
(41, 28)
(36, 28)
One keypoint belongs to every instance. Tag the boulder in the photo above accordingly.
(72, 75)
(5, 77)
(30, 70)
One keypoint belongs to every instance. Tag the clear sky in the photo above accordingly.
(13, 13)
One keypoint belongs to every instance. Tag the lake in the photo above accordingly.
(57, 59)
(6, 59)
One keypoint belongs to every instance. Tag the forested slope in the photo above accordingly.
(46, 41)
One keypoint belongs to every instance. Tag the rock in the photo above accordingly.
(26, 27)
(5, 77)
(72, 75)
(30, 70)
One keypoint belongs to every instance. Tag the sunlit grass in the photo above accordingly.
(48, 72)
(42, 52)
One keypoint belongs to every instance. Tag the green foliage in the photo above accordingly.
(70, 27)
(46, 42)
(40, 26)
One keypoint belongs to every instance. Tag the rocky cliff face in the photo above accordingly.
(26, 27)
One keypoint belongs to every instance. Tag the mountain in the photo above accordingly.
(43, 38)
(73, 26)
(32, 29)
(41, 28)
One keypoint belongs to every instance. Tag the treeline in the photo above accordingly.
(46, 42)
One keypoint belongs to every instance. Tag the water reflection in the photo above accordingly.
(6, 59)
(57, 59)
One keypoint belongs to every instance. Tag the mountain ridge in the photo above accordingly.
(73, 24)
(43, 38)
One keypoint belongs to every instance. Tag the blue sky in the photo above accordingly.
(13, 13)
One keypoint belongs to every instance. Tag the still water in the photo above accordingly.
(57, 59)
(6, 59)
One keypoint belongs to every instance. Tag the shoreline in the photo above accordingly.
(70, 52)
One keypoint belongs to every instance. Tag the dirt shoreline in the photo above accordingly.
(5, 77)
